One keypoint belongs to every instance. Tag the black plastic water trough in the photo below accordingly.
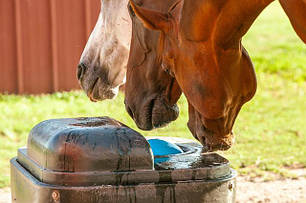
(102, 160)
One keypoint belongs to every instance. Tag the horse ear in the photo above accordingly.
(151, 19)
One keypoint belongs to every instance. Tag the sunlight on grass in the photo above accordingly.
(274, 47)
(270, 130)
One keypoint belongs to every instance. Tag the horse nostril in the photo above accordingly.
(81, 70)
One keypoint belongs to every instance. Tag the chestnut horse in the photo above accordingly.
(150, 93)
(102, 65)
(200, 45)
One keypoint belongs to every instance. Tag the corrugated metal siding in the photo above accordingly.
(41, 42)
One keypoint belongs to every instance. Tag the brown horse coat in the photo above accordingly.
(150, 93)
(200, 44)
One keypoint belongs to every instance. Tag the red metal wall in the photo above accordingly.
(41, 42)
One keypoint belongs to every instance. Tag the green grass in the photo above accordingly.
(274, 47)
(270, 130)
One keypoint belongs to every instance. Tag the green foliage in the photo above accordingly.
(270, 130)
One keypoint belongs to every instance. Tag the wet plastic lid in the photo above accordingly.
(88, 144)
(103, 151)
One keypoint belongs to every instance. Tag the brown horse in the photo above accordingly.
(150, 93)
(102, 65)
(200, 44)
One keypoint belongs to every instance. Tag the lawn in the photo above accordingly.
(270, 130)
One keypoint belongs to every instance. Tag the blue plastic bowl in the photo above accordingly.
(163, 148)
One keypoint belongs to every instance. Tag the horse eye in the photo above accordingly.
(167, 69)
(164, 67)
(131, 12)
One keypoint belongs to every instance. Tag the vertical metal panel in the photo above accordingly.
(54, 30)
(94, 8)
(36, 46)
(71, 36)
(87, 16)
(91, 10)
(19, 58)
(41, 42)
(8, 67)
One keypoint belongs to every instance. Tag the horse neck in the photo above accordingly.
(212, 19)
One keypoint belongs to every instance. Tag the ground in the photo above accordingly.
(5, 195)
(278, 191)
(272, 191)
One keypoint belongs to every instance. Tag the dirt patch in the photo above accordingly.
(5, 195)
(278, 191)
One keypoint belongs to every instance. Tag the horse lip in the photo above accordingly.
(147, 115)
(151, 121)
(91, 90)
(223, 144)
(164, 122)
(147, 118)
(151, 107)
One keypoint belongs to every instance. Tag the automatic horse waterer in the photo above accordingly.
(102, 160)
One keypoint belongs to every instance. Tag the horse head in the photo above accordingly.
(150, 92)
(102, 66)
(211, 66)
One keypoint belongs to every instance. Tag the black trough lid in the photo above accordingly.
(88, 144)
(102, 151)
